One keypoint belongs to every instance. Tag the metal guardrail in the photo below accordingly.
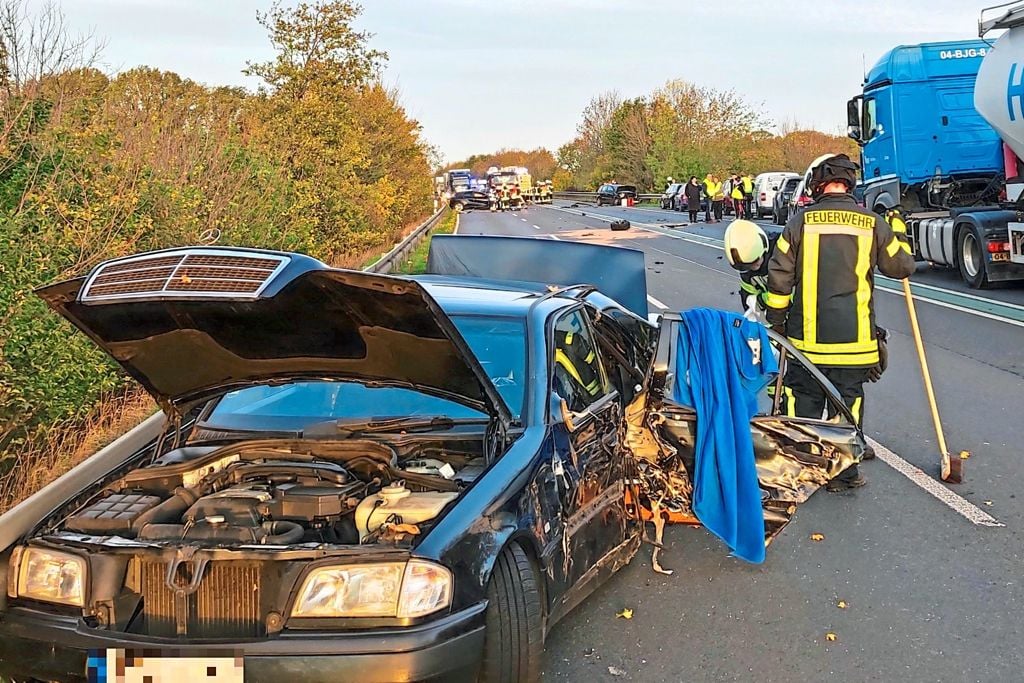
(388, 262)
(592, 196)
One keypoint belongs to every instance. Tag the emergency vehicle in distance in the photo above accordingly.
(941, 128)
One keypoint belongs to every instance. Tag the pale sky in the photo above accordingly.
(480, 75)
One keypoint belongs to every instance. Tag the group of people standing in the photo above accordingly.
(737, 189)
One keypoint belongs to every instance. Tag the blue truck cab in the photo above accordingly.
(924, 145)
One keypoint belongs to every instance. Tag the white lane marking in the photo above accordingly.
(967, 510)
(656, 302)
(966, 295)
(962, 309)
(554, 238)
(523, 219)
(536, 227)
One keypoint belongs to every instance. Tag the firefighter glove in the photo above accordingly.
(875, 373)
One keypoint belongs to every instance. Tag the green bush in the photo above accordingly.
(93, 167)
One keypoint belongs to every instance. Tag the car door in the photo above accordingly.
(586, 418)
(794, 455)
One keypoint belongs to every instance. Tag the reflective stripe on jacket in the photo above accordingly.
(822, 275)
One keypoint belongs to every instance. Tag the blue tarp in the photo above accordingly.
(724, 361)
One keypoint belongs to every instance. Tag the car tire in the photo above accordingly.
(971, 259)
(514, 637)
(458, 207)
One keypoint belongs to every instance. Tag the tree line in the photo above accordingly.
(680, 130)
(322, 159)
(541, 162)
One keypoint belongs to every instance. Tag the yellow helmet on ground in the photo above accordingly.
(745, 244)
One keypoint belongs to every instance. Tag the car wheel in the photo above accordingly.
(514, 637)
(971, 259)
(459, 207)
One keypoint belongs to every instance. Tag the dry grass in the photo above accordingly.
(62, 446)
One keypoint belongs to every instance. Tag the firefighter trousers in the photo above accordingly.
(804, 397)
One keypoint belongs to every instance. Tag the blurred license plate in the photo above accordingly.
(1001, 256)
(162, 666)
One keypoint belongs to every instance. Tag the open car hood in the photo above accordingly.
(193, 323)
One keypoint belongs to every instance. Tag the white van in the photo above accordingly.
(765, 187)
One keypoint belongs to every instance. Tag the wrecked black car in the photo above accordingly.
(364, 477)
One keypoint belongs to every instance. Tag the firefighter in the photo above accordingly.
(749, 249)
(821, 293)
(578, 376)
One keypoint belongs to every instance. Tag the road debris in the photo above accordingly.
(964, 455)
(817, 537)
(830, 636)
(988, 502)
(616, 671)
(841, 604)
(659, 534)
(626, 613)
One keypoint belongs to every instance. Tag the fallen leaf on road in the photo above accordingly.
(830, 636)
(841, 604)
(817, 537)
(626, 613)
(964, 455)
(616, 671)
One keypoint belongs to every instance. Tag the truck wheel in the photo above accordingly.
(514, 637)
(971, 259)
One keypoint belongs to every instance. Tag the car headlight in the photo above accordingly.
(392, 589)
(49, 576)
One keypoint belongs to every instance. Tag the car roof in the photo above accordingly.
(479, 296)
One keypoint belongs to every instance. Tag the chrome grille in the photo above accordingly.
(226, 605)
(183, 273)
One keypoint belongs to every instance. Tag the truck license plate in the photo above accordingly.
(1000, 256)
(162, 666)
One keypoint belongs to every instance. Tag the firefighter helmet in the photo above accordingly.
(830, 168)
(745, 244)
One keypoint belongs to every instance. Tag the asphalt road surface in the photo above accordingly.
(932, 590)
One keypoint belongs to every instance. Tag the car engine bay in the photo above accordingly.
(279, 494)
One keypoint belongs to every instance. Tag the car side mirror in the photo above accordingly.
(853, 119)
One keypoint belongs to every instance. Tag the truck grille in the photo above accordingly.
(183, 273)
(226, 605)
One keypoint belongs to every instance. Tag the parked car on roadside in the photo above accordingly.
(798, 200)
(765, 187)
(362, 476)
(611, 193)
(683, 204)
(469, 199)
(780, 202)
(668, 197)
